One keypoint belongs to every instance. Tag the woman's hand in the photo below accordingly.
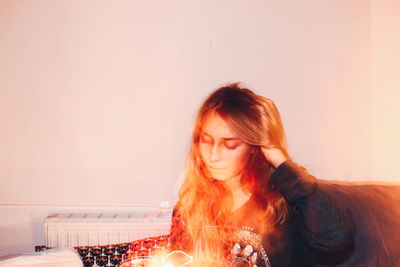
(273, 155)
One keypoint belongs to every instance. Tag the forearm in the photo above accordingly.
(327, 224)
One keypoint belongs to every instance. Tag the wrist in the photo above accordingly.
(278, 162)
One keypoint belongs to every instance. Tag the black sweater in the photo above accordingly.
(319, 229)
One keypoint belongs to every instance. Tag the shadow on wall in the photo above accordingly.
(16, 238)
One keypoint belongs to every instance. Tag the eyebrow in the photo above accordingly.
(225, 138)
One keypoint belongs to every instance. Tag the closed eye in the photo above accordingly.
(207, 140)
(231, 146)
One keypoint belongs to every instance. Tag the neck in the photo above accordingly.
(234, 186)
(239, 196)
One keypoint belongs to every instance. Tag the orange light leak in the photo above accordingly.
(172, 259)
(176, 259)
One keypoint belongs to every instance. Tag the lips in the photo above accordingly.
(215, 169)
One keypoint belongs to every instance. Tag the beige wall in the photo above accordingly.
(97, 98)
(385, 39)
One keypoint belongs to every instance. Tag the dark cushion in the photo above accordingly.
(375, 208)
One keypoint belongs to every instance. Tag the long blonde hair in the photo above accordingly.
(256, 120)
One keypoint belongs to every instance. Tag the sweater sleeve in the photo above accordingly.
(325, 224)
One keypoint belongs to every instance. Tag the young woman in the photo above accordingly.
(244, 201)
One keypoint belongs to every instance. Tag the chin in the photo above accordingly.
(219, 177)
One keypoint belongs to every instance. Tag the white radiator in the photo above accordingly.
(73, 230)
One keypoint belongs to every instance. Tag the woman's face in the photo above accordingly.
(224, 154)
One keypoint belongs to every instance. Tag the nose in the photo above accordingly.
(215, 154)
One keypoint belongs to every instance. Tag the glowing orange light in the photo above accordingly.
(184, 259)
(172, 259)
